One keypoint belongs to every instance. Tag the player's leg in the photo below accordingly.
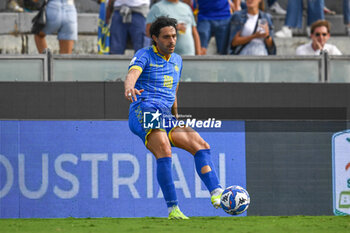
(158, 143)
(189, 140)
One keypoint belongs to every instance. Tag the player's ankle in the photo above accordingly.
(171, 208)
(216, 192)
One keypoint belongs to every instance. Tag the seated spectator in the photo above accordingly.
(61, 19)
(319, 37)
(250, 31)
(212, 19)
(294, 18)
(188, 42)
(128, 20)
(13, 6)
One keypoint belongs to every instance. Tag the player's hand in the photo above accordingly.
(130, 94)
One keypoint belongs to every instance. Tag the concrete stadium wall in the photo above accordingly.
(288, 129)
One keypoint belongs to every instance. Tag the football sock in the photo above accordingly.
(216, 192)
(202, 159)
(171, 209)
(165, 181)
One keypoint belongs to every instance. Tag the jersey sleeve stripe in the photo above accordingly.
(136, 68)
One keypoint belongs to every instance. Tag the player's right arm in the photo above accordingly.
(129, 85)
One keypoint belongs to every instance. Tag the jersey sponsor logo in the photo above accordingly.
(168, 81)
(155, 65)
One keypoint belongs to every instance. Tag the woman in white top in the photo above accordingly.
(251, 31)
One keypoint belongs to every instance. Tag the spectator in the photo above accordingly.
(274, 6)
(128, 20)
(320, 34)
(251, 31)
(212, 19)
(61, 18)
(294, 16)
(13, 6)
(346, 12)
(188, 42)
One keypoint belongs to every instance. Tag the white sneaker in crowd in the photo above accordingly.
(13, 5)
(285, 32)
(277, 9)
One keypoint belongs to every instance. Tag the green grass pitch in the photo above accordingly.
(251, 224)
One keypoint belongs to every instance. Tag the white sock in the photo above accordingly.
(216, 192)
(171, 208)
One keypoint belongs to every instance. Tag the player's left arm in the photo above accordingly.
(197, 42)
(174, 107)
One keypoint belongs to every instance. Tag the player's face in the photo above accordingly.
(166, 40)
(320, 35)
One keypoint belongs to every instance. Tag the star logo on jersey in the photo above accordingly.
(151, 120)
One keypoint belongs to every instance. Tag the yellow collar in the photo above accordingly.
(155, 50)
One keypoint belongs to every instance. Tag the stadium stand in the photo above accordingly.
(15, 37)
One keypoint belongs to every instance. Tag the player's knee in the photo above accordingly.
(162, 149)
(166, 150)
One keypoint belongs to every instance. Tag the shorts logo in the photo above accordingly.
(151, 120)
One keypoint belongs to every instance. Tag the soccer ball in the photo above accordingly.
(235, 200)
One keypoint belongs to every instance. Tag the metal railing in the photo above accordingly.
(55, 68)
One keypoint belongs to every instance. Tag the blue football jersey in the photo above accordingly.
(159, 76)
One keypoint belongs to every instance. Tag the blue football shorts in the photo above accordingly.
(146, 116)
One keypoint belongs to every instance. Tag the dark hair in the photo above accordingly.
(320, 23)
(159, 23)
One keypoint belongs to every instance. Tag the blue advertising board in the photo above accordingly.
(54, 169)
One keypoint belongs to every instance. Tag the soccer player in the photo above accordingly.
(151, 86)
